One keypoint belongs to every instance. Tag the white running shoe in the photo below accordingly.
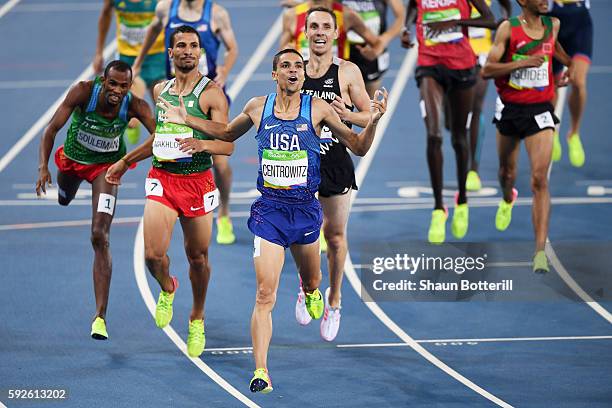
(301, 314)
(330, 324)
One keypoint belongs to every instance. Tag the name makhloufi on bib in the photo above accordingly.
(288, 150)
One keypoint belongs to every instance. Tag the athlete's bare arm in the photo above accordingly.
(411, 15)
(352, 81)
(494, 68)
(322, 112)
(222, 27)
(241, 124)
(486, 19)
(562, 56)
(104, 22)
(354, 22)
(155, 28)
(77, 97)
(213, 101)
(143, 151)
(286, 37)
(506, 9)
(140, 110)
(392, 31)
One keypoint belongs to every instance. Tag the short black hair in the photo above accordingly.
(183, 29)
(117, 65)
(323, 9)
(281, 52)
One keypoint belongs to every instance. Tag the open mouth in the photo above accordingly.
(320, 42)
(113, 98)
(293, 79)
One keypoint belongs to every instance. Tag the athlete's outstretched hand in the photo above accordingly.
(378, 105)
(340, 107)
(114, 172)
(173, 114)
(406, 40)
(44, 179)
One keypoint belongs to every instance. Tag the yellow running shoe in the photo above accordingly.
(98, 329)
(163, 310)
(225, 231)
(322, 242)
(133, 134)
(504, 212)
(473, 183)
(575, 150)
(557, 150)
(540, 262)
(196, 339)
(437, 228)
(261, 381)
(315, 304)
(460, 223)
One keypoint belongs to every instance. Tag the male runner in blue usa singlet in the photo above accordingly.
(287, 215)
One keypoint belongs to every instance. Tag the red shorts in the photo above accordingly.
(191, 195)
(87, 172)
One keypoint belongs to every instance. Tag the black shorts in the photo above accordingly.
(370, 70)
(337, 178)
(525, 120)
(576, 32)
(449, 79)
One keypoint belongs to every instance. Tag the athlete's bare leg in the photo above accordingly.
(100, 235)
(432, 95)
(335, 217)
(539, 149)
(461, 101)
(67, 187)
(578, 95)
(159, 223)
(268, 259)
(508, 149)
(480, 91)
(197, 232)
(223, 180)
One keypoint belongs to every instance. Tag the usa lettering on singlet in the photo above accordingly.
(288, 150)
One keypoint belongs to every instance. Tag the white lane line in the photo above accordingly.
(6, 7)
(79, 223)
(59, 224)
(46, 117)
(139, 267)
(406, 70)
(426, 341)
(147, 296)
(550, 251)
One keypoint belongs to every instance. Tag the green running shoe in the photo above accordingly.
(322, 242)
(133, 134)
(261, 381)
(437, 228)
(315, 304)
(473, 183)
(196, 338)
(460, 222)
(576, 152)
(556, 150)
(163, 310)
(504, 212)
(225, 231)
(98, 329)
(540, 263)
